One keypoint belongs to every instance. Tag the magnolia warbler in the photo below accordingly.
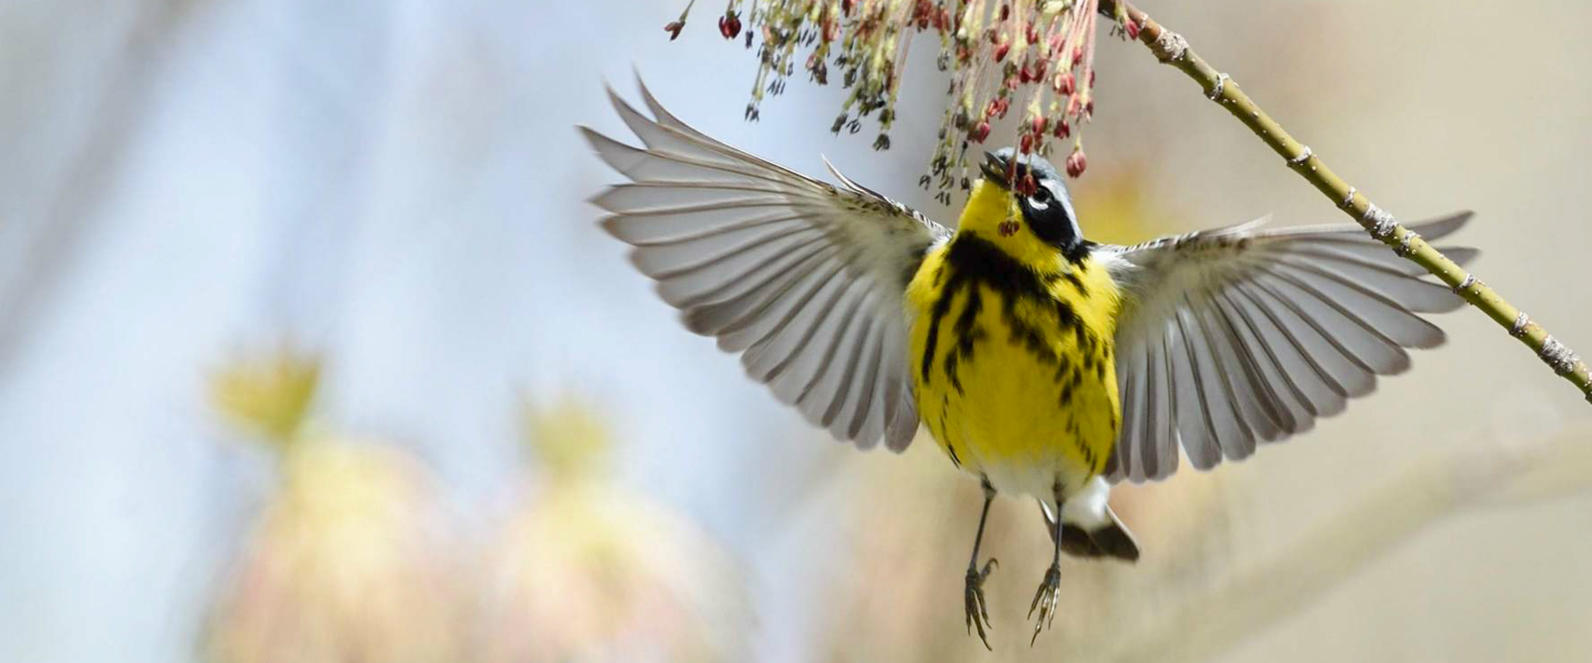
(1042, 363)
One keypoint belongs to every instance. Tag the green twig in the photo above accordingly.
(1171, 48)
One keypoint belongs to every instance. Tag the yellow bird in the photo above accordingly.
(1042, 363)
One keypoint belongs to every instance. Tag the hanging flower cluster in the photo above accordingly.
(1034, 55)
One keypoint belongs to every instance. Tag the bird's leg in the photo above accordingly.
(973, 596)
(1050, 590)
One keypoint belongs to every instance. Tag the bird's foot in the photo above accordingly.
(1045, 601)
(973, 601)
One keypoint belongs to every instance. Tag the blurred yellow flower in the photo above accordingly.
(349, 562)
(585, 570)
(269, 394)
(350, 559)
(567, 440)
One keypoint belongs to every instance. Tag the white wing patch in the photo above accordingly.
(1237, 336)
(803, 279)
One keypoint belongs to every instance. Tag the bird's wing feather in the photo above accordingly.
(1241, 335)
(803, 279)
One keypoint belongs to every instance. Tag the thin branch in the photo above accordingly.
(1171, 48)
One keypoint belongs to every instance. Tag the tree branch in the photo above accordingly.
(1171, 48)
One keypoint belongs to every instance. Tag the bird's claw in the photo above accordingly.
(973, 601)
(1045, 602)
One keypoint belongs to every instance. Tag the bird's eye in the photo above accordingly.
(1041, 196)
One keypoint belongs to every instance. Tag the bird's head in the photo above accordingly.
(1021, 204)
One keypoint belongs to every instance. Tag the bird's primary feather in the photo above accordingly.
(1239, 336)
(802, 278)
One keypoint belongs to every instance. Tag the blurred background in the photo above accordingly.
(310, 349)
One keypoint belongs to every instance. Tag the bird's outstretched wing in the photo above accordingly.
(1239, 335)
(805, 280)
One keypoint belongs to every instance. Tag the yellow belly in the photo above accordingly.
(1018, 387)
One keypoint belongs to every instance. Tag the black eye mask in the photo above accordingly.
(1047, 210)
(1050, 217)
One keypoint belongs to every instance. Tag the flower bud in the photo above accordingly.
(997, 107)
(1076, 162)
(1027, 185)
(1066, 83)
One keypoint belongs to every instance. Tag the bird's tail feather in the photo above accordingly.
(1110, 540)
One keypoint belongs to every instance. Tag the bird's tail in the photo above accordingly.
(1111, 539)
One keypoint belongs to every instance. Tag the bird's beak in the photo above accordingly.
(995, 169)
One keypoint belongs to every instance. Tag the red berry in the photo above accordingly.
(1026, 144)
(1039, 124)
(1062, 130)
(673, 28)
(1132, 29)
(1000, 51)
